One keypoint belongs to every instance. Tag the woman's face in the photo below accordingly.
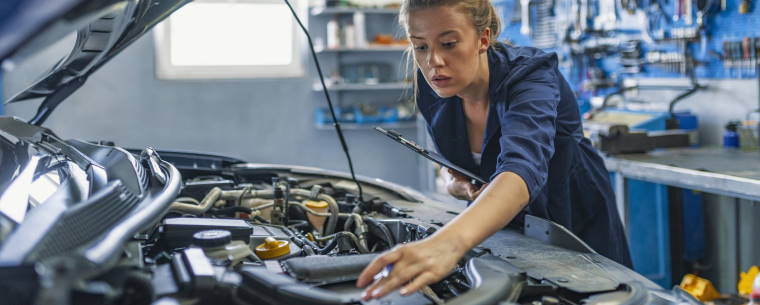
(446, 48)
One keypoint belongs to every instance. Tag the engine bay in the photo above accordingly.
(273, 238)
(314, 234)
(202, 229)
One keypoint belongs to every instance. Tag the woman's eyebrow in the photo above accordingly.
(446, 33)
(439, 35)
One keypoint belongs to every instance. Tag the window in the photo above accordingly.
(230, 39)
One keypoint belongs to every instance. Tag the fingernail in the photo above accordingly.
(403, 291)
(365, 296)
(376, 292)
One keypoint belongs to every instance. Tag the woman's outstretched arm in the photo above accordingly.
(427, 261)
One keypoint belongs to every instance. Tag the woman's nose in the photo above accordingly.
(435, 59)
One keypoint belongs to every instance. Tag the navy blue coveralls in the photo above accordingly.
(534, 130)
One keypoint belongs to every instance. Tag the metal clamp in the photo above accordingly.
(151, 157)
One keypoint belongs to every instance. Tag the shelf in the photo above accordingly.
(355, 126)
(367, 49)
(316, 11)
(362, 87)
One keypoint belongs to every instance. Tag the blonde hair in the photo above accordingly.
(481, 13)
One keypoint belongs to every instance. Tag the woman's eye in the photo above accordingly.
(420, 48)
(449, 45)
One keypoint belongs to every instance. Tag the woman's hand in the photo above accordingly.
(415, 265)
(460, 187)
(429, 260)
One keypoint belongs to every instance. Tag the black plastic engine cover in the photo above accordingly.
(322, 269)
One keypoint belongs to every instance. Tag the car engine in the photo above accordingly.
(189, 228)
(262, 236)
(277, 239)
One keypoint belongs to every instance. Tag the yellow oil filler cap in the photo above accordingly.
(745, 284)
(700, 288)
(272, 248)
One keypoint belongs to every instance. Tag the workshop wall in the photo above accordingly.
(259, 120)
(722, 101)
(653, 45)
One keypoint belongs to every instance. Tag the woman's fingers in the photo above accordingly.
(377, 265)
(422, 280)
(403, 271)
(384, 287)
(422, 262)
(480, 190)
(459, 186)
(369, 292)
(452, 172)
(474, 191)
(456, 175)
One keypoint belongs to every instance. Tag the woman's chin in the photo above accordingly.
(444, 92)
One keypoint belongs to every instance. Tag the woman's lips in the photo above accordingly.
(441, 81)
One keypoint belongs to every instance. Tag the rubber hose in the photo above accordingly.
(213, 195)
(332, 222)
(230, 211)
(302, 225)
(384, 229)
(341, 235)
(309, 250)
(350, 220)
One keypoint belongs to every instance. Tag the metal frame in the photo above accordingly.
(714, 183)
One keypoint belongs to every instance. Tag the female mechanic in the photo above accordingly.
(508, 114)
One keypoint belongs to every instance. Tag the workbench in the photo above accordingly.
(641, 184)
(728, 172)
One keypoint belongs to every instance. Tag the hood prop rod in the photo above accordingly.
(338, 130)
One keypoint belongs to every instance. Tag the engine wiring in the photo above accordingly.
(338, 129)
(353, 238)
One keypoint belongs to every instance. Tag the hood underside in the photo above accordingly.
(104, 28)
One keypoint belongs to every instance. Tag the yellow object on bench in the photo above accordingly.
(700, 288)
(745, 280)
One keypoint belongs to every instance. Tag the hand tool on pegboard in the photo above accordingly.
(744, 6)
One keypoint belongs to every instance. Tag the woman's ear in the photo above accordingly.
(485, 40)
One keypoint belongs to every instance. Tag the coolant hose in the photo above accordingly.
(204, 206)
(332, 205)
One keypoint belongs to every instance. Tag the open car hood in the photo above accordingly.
(104, 28)
(21, 20)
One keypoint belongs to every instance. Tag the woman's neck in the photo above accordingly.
(476, 94)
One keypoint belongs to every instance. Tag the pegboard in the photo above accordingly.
(730, 25)
(720, 26)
